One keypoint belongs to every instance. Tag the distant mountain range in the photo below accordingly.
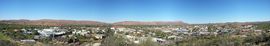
(51, 22)
(75, 22)
(150, 23)
(243, 23)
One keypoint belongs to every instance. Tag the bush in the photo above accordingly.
(148, 42)
(211, 41)
(114, 40)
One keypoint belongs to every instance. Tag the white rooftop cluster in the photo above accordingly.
(81, 32)
(51, 31)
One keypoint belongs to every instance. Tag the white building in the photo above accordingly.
(51, 31)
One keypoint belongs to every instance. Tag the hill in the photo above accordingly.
(51, 22)
(150, 23)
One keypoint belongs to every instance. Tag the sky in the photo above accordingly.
(189, 11)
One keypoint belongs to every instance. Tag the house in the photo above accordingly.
(166, 31)
(80, 32)
(99, 36)
(159, 40)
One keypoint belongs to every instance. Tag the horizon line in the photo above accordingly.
(142, 21)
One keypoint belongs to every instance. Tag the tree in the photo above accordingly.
(211, 28)
(6, 40)
(113, 39)
(160, 34)
(264, 27)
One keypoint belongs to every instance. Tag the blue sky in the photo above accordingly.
(189, 11)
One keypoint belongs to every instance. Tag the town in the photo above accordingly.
(134, 22)
(136, 35)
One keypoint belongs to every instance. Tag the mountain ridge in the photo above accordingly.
(51, 22)
(150, 23)
(88, 22)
